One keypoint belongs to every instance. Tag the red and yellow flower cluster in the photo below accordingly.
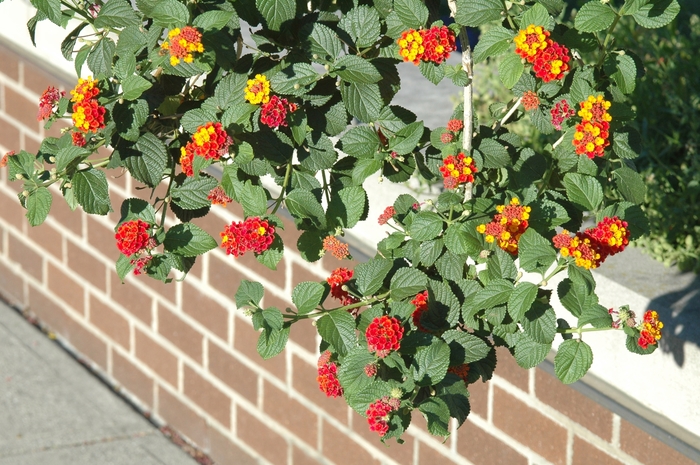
(378, 414)
(549, 59)
(650, 329)
(182, 43)
(88, 115)
(421, 304)
(457, 170)
(132, 237)
(209, 141)
(507, 226)
(338, 278)
(591, 247)
(384, 335)
(273, 110)
(251, 234)
(328, 376)
(591, 136)
(429, 45)
(48, 100)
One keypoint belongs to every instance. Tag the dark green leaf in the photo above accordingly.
(521, 300)
(249, 293)
(537, 15)
(253, 199)
(412, 13)
(370, 275)
(116, 13)
(307, 295)
(363, 101)
(100, 59)
(510, 69)
(123, 267)
(477, 12)
(453, 391)
(431, 71)
(276, 12)
(210, 20)
(271, 342)
(459, 241)
(584, 191)
(495, 154)
(500, 265)
(303, 204)
(594, 16)
(465, 347)
(407, 282)
(362, 25)
(38, 206)
(297, 79)
(352, 371)
(137, 209)
(338, 329)
(437, 415)
(630, 184)
(148, 166)
(134, 86)
(492, 43)
(50, 8)
(496, 292)
(430, 363)
(627, 143)
(324, 42)
(92, 192)
(170, 13)
(574, 358)
(535, 252)
(597, 316)
(657, 13)
(426, 225)
(188, 240)
(321, 154)
(407, 138)
(347, 207)
(528, 353)
(66, 155)
(192, 194)
(360, 142)
(68, 44)
(540, 323)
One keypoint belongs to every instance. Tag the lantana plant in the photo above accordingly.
(205, 99)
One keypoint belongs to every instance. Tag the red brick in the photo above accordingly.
(9, 135)
(56, 128)
(37, 79)
(402, 453)
(224, 277)
(115, 326)
(188, 339)
(66, 288)
(132, 378)
(302, 332)
(133, 299)
(21, 109)
(61, 212)
(427, 455)
(585, 454)
(647, 449)
(418, 422)
(48, 238)
(61, 323)
(11, 211)
(481, 448)
(245, 340)
(205, 310)
(342, 450)
(84, 263)
(9, 63)
(182, 418)
(236, 375)
(300, 457)
(479, 398)
(225, 452)
(30, 142)
(291, 414)
(203, 393)
(166, 290)
(102, 238)
(260, 437)
(511, 371)
(156, 357)
(11, 285)
(304, 381)
(528, 426)
(30, 261)
(573, 404)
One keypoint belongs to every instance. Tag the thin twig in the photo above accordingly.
(508, 115)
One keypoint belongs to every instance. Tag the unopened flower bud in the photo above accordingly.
(326, 67)
(296, 86)
(396, 393)
(380, 179)
(68, 185)
(315, 56)
(18, 176)
(52, 159)
(484, 254)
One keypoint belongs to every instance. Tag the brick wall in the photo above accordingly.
(184, 353)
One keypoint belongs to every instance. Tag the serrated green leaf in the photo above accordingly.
(627, 143)
(500, 265)
(273, 317)
(597, 316)
(323, 42)
(510, 69)
(92, 192)
(426, 225)
(362, 25)
(430, 363)
(129, 117)
(432, 72)
(521, 300)
(465, 347)
(38, 206)
(633, 214)
(273, 254)
(188, 240)
(303, 204)
(496, 292)
(576, 297)
(412, 13)
(210, 20)
(363, 101)
(535, 252)
(477, 12)
(594, 16)
(338, 329)
(495, 154)
(249, 293)
(253, 199)
(276, 12)
(297, 79)
(492, 43)
(657, 13)
(459, 241)
(307, 295)
(100, 58)
(540, 323)
(170, 13)
(584, 191)
(195, 118)
(624, 73)
(360, 142)
(123, 266)
(630, 184)
(352, 371)
(149, 165)
(66, 155)
(131, 41)
(407, 282)
(347, 207)
(192, 194)
(370, 275)
(437, 415)
(115, 14)
(537, 15)
(134, 86)
(574, 358)
(68, 44)
(580, 87)
(137, 209)
(321, 153)
(50, 8)
(528, 353)
(453, 391)
(271, 342)
(406, 139)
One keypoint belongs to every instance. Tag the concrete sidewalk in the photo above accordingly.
(54, 411)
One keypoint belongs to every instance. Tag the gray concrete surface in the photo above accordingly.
(54, 412)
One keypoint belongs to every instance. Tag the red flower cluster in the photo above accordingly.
(457, 170)
(388, 214)
(338, 278)
(209, 141)
(460, 370)
(182, 43)
(560, 112)
(591, 247)
(507, 226)
(530, 100)
(550, 60)
(328, 376)
(252, 234)
(218, 196)
(370, 370)
(274, 113)
(132, 236)
(140, 263)
(48, 100)
(88, 115)
(650, 329)
(455, 125)
(384, 335)
(78, 139)
(421, 304)
(430, 45)
(336, 248)
(378, 414)
(591, 136)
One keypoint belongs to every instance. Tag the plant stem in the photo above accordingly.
(608, 37)
(582, 330)
(510, 113)
(279, 199)
(362, 303)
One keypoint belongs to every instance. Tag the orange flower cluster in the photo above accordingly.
(530, 100)
(338, 278)
(457, 170)
(252, 234)
(591, 247)
(507, 226)
(209, 141)
(591, 136)
(386, 215)
(328, 376)
(335, 247)
(549, 59)
(650, 329)
(429, 45)
(88, 115)
(421, 304)
(182, 43)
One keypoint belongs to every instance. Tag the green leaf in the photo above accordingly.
(321, 154)
(412, 13)
(521, 300)
(38, 206)
(188, 240)
(365, 168)
(594, 16)
(430, 363)
(437, 415)
(581, 87)
(131, 41)
(633, 214)
(363, 101)
(116, 13)
(134, 86)
(535, 252)
(459, 241)
(273, 317)
(407, 282)
(100, 59)
(370, 275)
(347, 207)
(303, 204)
(574, 358)
(477, 12)
(253, 199)
(500, 265)
(627, 143)
(338, 329)
(630, 184)
(50, 8)
(432, 72)
(68, 44)
(596, 315)
(307, 295)
(351, 372)
(528, 353)
(123, 266)
(272, 256)
(150, 165)
(496, 292)
(623, 71)
(510, 69)
(426, 225)
(92, 192)
(210, 20)
(465, 347)
(657, 13)
(406, 139)
(229, 92)
(540, 323)
(360, 400)
(195, 118)
(170, 13)
(453, 391)
(585, 191)
(66, 155)
(129, 117)
(632, 6)
(296, 79)
(537, 15)
(554, 7)
(276, 12)
(362, 25)
(271, 342)
(249, 293)
(495, 154)
(324, 42)
(137, 209)
(492, 43)
(576, 297)
(192, 194)
(360, 142)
